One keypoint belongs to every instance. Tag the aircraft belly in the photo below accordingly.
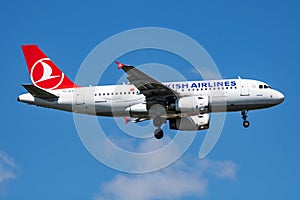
(248, 105)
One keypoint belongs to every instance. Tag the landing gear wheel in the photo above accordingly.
(158, 133)
(246, 124)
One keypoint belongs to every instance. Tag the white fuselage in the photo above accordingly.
(127, 101)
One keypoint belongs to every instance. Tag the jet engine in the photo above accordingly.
(192, 104)
(191, 123)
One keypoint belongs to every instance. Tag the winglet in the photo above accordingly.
(120, 65)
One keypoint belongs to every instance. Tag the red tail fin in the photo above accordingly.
(43, 72)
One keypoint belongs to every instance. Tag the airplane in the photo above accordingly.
(186, 105)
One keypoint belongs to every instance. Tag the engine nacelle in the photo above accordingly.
(192, 104)
(137, 110)
(192, 123)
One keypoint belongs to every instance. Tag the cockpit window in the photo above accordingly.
(264, 86)
(267, 86)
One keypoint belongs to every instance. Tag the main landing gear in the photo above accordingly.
(158, 133)
(158, 122)
(158, 113)
(246, 123)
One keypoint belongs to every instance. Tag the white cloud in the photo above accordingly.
(185, 178)
(7, 169)
(224, 169)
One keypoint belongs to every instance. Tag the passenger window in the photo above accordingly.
(124, 92)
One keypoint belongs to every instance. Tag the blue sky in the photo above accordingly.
(42, 157)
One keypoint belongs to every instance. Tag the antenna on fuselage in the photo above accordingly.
(239, 77)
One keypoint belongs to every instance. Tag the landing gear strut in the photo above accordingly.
(158, 122)
(246, 123)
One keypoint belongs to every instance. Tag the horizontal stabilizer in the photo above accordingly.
(39, 93)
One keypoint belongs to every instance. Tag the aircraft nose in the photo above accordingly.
(280, 97)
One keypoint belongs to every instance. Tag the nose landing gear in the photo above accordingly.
(246, 123)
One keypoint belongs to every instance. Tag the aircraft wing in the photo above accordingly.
(154, 90)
